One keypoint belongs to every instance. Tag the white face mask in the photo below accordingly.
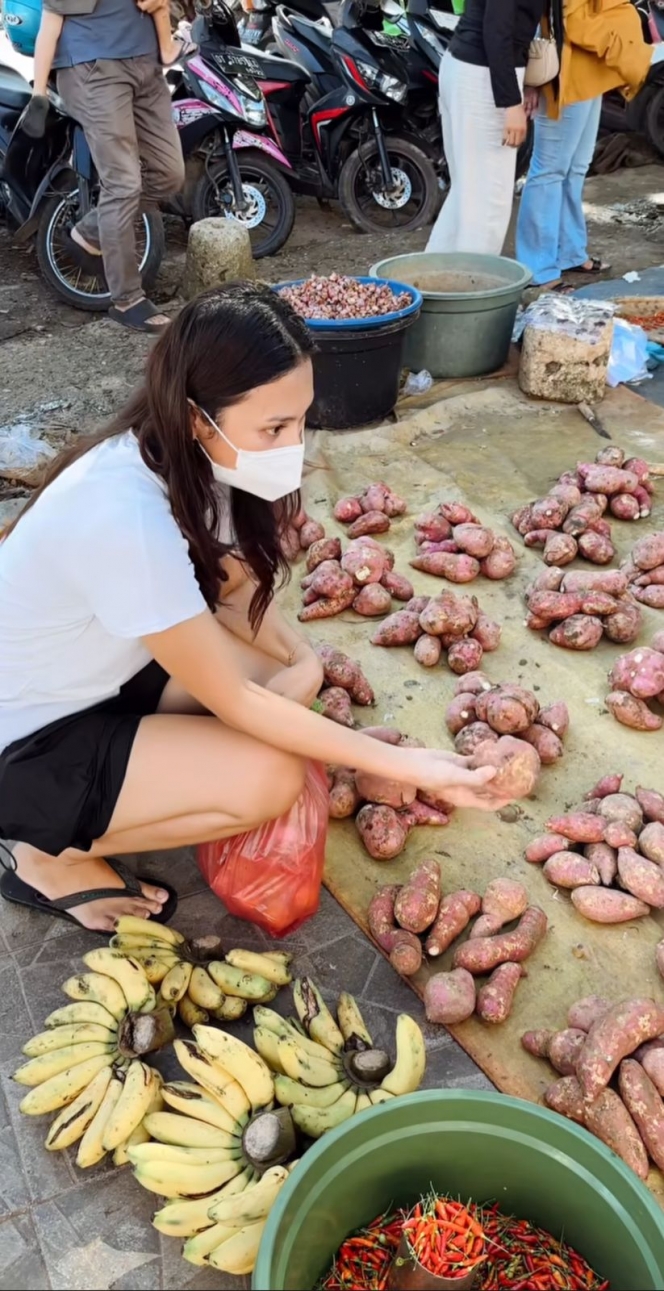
(269, 475)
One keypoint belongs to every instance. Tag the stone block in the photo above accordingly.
(218, 251)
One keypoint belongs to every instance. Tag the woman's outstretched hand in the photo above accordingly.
(446, 775)
(516, 126)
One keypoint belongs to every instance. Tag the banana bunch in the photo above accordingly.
(195, 976)
(327, 1071)
(215, 1151)
(87, 1061)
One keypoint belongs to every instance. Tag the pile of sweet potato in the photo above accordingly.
(579, 607)
(370, 511)
(447, 623)
(482, 710)
(361, 578)
(400, 915)
(455, 545)
(610, 1060)
(344, 684)
(635, 678)
(300, 536)
(644, 569)
(609, 853)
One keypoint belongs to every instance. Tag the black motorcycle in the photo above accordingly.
(255, 27)
(47, 185)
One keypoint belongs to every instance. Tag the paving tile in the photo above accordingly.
(99, 1236)
(177, 867)
(14, 1194)
(179, 1275)
(329, 924)
(344, 964)
(14, 1017)
(21, 927)
(44, 967)
(451, 1068)
(21, 1261)
(46, 1173)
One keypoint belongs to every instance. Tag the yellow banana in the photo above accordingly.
(231, 1010)
(137, 1094)
(196, 1249)
(242, 1063)
(100, 989)
(310, 1047)
(152, 1153)
(63, 1088)
(176, 982)
(253, 1204)
(91, 1147)
(190, 1013)
(73, 1121)
(279, 956)
(171, 1179)
(220, 1084)
(184, 1131)
(302, 1066)
(131, 925)
(39, 1070)
(290, 1093)
(127, 973)
(315, 1016)
(187, 1217)
(232, 981)
(197, 1105)
(316, 1121)
(81, 1012)
(267, 1044)
(351, 1022)
(408, 1070)
(154, 967)
(276, 971)
(379, 1096)
(121, 1153)
(238, 1253)
(270, 1021)
(61, 1037)
(203, 991)
(130, 943)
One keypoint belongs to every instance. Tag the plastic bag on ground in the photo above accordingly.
(629, 353)
(272, 875)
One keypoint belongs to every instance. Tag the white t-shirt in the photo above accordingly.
(97, 563)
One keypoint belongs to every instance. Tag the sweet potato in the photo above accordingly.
(326, 607)
(551, 606)
(612, 581)
(329, 579)
(567, 493)
(580, 632)
(487, 632)
(651, 596)
(364, 563)
(397, 585)
(322, 549)
(605, 905)
(579, 517)
(495, 998)
(416, 905)
(444, 564)
(344, 797)
(347, 509)
(549, 748)
(578, 826)
(569, 870)
(607, 479)
(394, 505)
(389, 793)
(618, 834)
(339, 670)
(311, 532)
(642, 495)
(605, 860)
(460, 712)
(421, 813)
(447, 544)
(653, 1064)
(648, 552)
(483, 954)
(521, 519)
(454, 914)
(632, 712)
(651, 842)
(639, 467)
(614, 1036)
(472, 736)
(386, 734)
(586, 1011)
(501, 560)
(560, 548)
(382, 832)
(448, 614)
(611, 455)
(465, 656)
(372, 601)
(608, 1119)
(335, 704)
(403, 948)
(624, 506)
(655, 576)
(641, 672)
(564, 1049)
(309, 597)
(537, 1042)
(503, 901)
(370, 522)
(373, 498)
(400, 628)
(644, 1104)
(457, 513)
(537, 537)
(643, 878)
(474, 539)
(651, 803)
(548, 513)
(609, 784)
(428, 650)
(505, 714)
(596, 547)
(474, 683)
(555, 717)
(546, 845)
(433, 527)
(449, 997)
(622, 807)
(564, 1096)
(517, 764)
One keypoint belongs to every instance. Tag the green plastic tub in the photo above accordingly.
(468, 310)
(483, 1146)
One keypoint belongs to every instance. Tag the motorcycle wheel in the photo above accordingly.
(654, 120)
(66, 278)
(369, 208)
(270, 216)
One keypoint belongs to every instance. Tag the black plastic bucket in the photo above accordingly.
(357, 369)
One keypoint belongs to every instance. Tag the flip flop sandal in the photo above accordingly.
(91, 264)
(13, 889)
(137, 317)
(596, 266)
(187, 50)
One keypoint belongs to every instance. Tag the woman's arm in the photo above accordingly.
(498, 34)
(198, 655)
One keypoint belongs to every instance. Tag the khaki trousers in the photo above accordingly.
(124, 108)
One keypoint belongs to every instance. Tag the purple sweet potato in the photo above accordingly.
(474, 539)
(614, 1036)
(548, 513)
(428, 650)
(624, 626)
(394, 505)
(632, 712)
(444, 564)
(580, 632)
(400, 628)
(416, 604)
(612, 581)
(416, 904)
(457, 513)
(397, 585)
(569, 870)
(570, 494)
(373, 498)
(624, 506)
(403, 948)
(449, 998)
(586, 1011)
(608, 1119)
(641, 672)
(496, 997)
(651, 842)
(564, 1049)
(607, 479)
(607, 785)
(579, 517)
(381, 831)
(551, 606)
(501, 561)
(347, 509)
(605, 905)
(454, 914)
(465, 656)
(322, 549)
(546, 845)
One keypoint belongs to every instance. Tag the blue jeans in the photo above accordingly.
(551, 228)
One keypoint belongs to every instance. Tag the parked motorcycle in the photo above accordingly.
(47, 185)
(255, 27)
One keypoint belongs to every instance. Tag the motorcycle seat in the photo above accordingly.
(15, 91)
(322, 26)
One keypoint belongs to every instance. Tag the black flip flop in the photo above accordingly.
(13, 889)
(137, 317)
(596, 266)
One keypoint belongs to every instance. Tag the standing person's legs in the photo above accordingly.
(573, 232)
(538, 230)
(447, 217)
(159, 144)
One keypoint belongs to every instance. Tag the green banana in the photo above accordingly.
(290, 1093)
(316, 1121)
(300, 1065)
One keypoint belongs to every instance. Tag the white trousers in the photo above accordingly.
(476, 213)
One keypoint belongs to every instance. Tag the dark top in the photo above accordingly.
(113, 29)
(496, 34)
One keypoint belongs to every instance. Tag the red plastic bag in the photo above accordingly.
(272, 875)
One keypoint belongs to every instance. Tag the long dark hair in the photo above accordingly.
(223, 344)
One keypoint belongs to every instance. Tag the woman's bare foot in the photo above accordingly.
(55, 878)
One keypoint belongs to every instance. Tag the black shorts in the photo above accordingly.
(59, 786)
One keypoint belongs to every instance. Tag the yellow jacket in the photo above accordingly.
(603, 49)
